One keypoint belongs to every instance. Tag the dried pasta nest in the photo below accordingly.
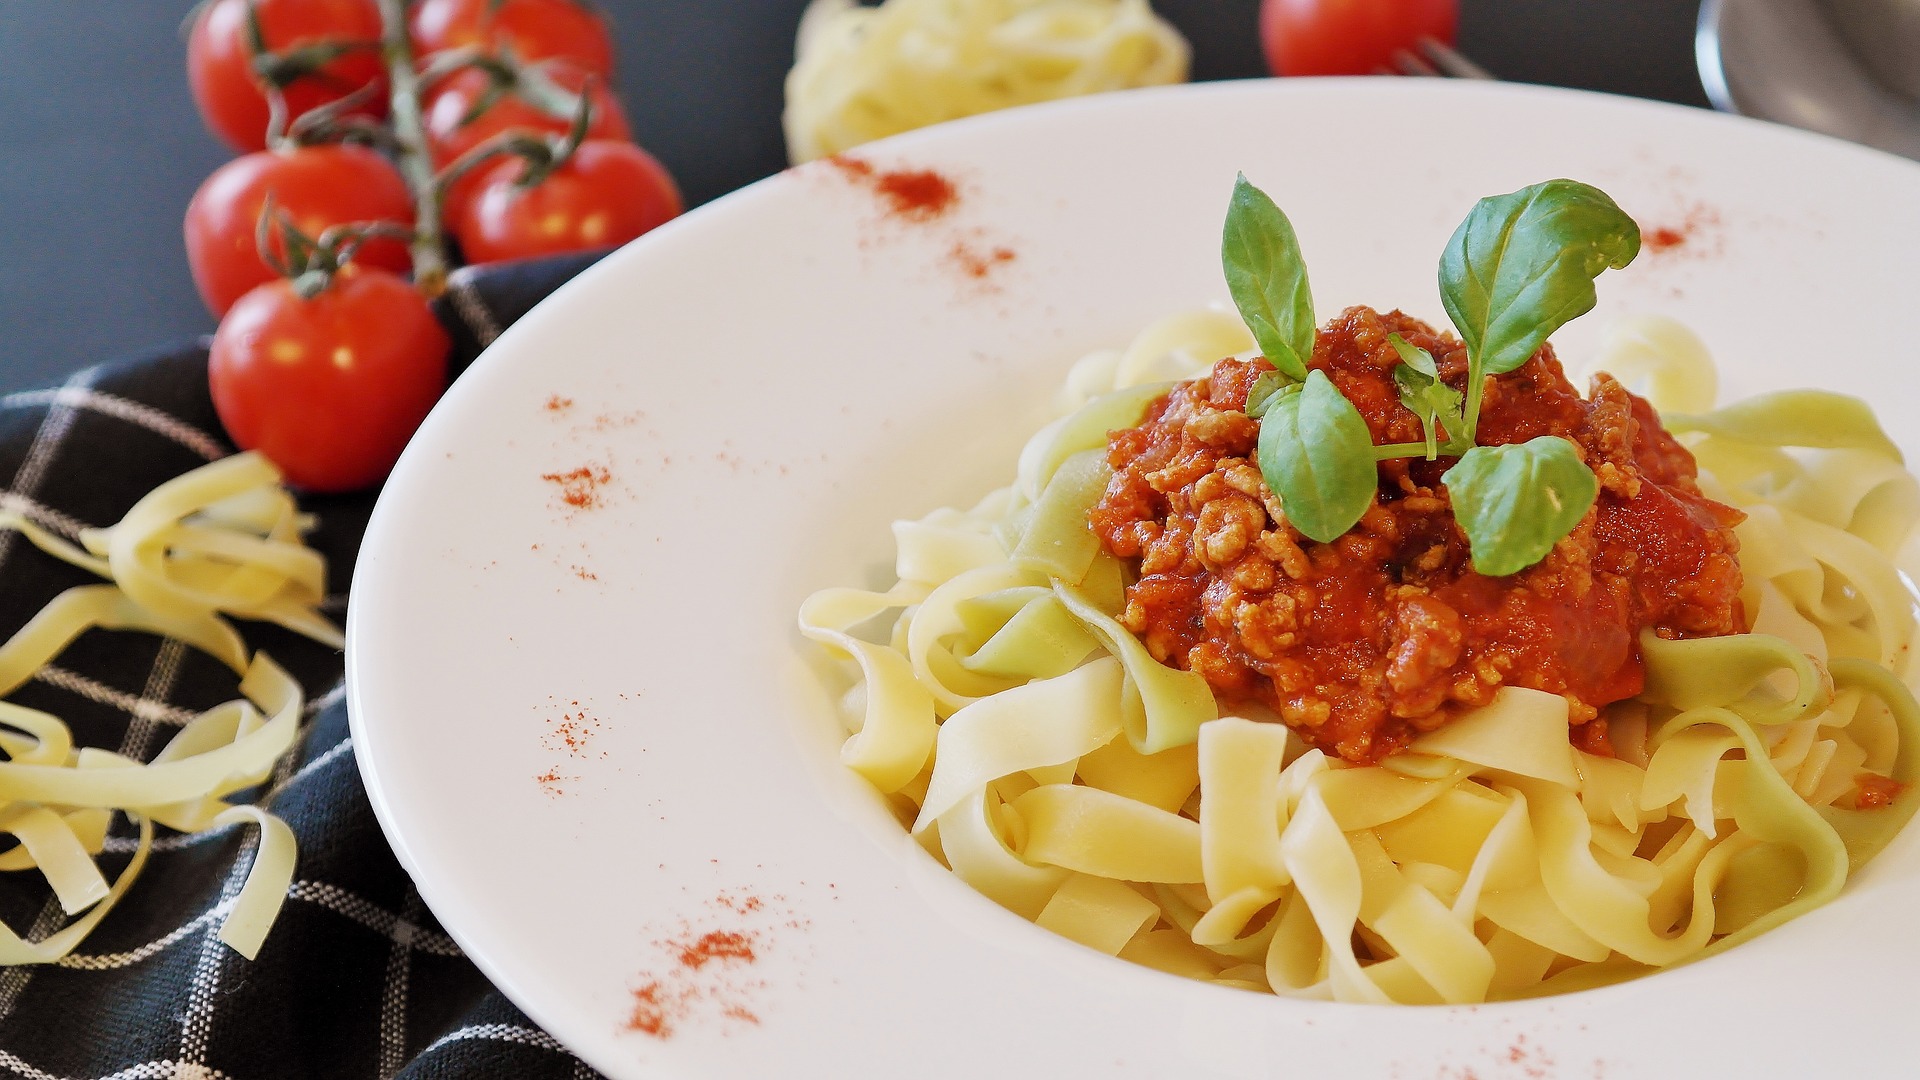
(863, 73)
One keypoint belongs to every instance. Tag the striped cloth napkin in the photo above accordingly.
(356, 979)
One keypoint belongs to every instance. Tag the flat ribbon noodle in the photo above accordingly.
(896, 733)
(1025, 633)
(106, 607)
(1819, 419)
(1182, 346)
(937, 620)
(258, 902)
(1082, 430)
(52, 846)
(56, 546)
(1165, 780)
(976, 851)
(1522, 732)
(180, 551)
(1098, 912)
(1324, 869)
(1096, 832)
(941, 546)
(1864, 492)
(1056, 541)
(1660, 359)
(242, 762)
(1050, 722)
(1161, 707)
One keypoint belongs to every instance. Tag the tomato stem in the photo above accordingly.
(410, 137)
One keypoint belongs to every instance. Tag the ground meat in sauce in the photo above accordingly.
(1363, 643)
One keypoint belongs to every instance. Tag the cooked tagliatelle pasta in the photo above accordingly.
(865, 72)
(1034, 745)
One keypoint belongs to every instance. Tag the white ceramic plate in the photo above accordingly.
(589, 729)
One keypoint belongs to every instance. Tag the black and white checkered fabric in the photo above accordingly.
(356, 979)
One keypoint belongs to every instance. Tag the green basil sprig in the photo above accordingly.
(1522, 266)
(1422, 392)
(1265, 389)
(1268, 279)
(1317, 455)
(1515, 502)
(1517, 269)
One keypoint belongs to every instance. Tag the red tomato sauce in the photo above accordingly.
(1363, 643)
(1873, 792)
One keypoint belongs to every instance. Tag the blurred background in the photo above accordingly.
(100, 147)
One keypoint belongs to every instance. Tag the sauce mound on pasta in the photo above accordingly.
(1363, 643)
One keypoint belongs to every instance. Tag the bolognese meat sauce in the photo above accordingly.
(1362, 643)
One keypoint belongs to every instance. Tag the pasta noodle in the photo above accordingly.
(1029, 741)
(862, 73)
(221, 540)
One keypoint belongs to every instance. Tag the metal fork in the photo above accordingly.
(1433, 59)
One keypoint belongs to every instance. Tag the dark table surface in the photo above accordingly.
(100, 147)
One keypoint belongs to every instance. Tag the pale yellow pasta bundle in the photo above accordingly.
(223, 539)
(863, 73)
(1030, 743)
(57, 800)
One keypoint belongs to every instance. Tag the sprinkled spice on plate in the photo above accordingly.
(580, 488)
(912, 194)
(707, 971)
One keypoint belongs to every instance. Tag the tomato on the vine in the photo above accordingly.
(1348, 37)
(605, 194)
(533, 29)
(452, 101)
(316, 186)
(329, 387)
(229, 90)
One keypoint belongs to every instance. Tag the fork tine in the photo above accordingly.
(1408, 63)
(1450, 62)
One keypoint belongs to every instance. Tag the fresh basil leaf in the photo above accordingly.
(1434, 402)
(1317, 454)
(1260, 396)
(1522, 266)
(1414, 356)
(1268, 279)
(1515, 502)
(1421, 391)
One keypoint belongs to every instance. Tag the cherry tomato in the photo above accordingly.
(534, 29)
(330, 388)
(319, 186)
(1348, 37)
(452, 100)
(231, 96)
(607, 193)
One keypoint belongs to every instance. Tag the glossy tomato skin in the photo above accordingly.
(329, 388)
(220, 71)
(534, 29)
(1348, 37)
(606, 194)
(320, 186)
(452, 100)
